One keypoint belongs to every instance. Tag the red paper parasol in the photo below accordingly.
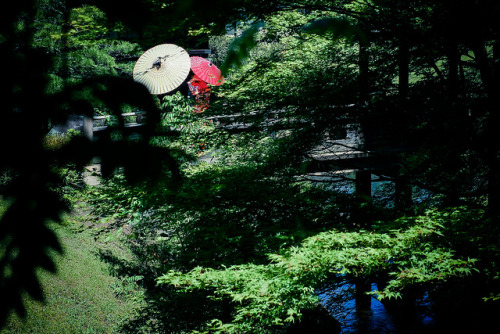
(206, 71)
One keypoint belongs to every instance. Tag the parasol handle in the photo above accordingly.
(157, 63)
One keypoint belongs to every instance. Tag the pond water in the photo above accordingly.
(376, 319)
(421, 316)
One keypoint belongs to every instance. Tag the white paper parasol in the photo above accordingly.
(162, 68)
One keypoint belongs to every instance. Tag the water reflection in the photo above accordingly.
(376, 319)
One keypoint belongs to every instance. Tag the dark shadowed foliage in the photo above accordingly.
(29, 182)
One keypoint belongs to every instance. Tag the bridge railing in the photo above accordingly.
(97, 124)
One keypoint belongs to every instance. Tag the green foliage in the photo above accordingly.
(126, 286)
(116, 202)
(192, 129)
(492, 297)
(240, 48)
(263, 297)
(82, 44)
(276, 293)
(339, 27)
(55, 142)
(50, 76)
(232, 210)
(292, 79)
(219, 45)
(289, 78)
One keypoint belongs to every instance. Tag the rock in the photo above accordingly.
(74, 122)
(91, 175)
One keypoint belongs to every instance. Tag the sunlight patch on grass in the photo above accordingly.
(79, 298)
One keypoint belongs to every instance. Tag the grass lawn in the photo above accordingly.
(79, 298)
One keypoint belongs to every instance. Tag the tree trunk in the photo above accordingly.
(402, 194)
(363, 304)
(403, 68)
(362, 215)
(363, 184)
(363, 81)
(452, 51)
(490, 80)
